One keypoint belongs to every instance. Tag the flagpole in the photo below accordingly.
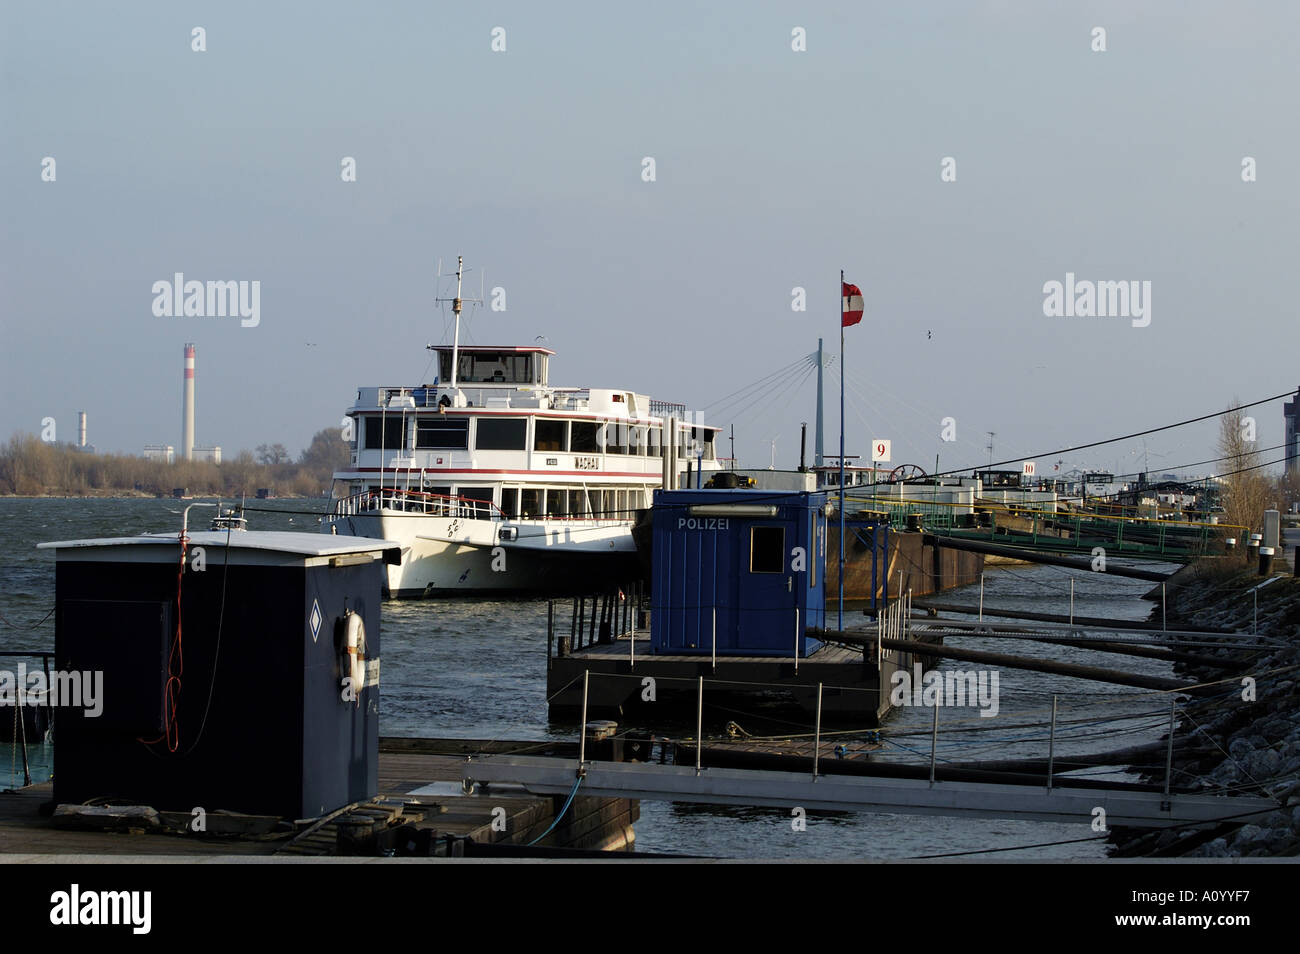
(840, 627)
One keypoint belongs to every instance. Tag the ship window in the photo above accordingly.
(510, 501)
(636, 440)
(655, 446)
(767, 549)
(501, 433)
(530, 505)
(555, 503)
(487, 367)
(584, 438)
(551, 435)
(615, 438)
(481, 505)
(384, 432)
(442, 432)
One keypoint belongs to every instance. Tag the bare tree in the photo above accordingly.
(1246, 489)
(272, 454)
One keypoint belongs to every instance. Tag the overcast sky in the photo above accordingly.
(774, 169)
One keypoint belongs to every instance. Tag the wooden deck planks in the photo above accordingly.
(590, 822)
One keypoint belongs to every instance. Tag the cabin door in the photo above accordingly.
(767, 594)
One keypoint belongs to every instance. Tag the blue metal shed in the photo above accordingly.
(738, 572)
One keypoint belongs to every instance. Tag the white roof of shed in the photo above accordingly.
(307, 545)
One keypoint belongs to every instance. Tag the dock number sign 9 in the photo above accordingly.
(880, 452)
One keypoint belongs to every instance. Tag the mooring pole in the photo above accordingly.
(817, 731)
(699, 727)
(1163, 618)
(1169, 751)
(1071, 601)
(22, 730)
(796, 639)
(1255, 627)
(981, 597)
(550, 631)
(934, 740)
(1051, 746)
(582, 744)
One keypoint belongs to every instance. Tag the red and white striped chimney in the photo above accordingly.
(187, 412)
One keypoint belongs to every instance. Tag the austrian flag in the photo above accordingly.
(850, 304)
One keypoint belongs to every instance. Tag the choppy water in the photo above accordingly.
(476, 669)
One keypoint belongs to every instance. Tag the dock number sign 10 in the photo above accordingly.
(880, 451)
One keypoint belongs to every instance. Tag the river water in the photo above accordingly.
(476, 669)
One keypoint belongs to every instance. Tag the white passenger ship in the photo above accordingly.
(495, 481)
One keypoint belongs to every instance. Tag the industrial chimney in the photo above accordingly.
(187, 412)
(81, 429)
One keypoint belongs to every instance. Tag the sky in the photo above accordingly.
(774, 168)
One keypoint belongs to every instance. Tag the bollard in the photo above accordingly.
(1229, 544)
(1252, 547)
(1265, 561)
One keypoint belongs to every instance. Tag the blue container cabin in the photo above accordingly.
(738, 572)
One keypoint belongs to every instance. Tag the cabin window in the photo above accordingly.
(530, 505)
(636, 440)
(487, 367)
(510, 501)
(451, 433)
(615, 438)
(767, 549)
(551, 435)
(655, 443)
(555, 503)
(584, 438)
(501, 433)
(482, 505)
(384, 432)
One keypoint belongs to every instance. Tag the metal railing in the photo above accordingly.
(465, 508)
(666, 409)
(413, 501)
(601, 618)
(42, 718)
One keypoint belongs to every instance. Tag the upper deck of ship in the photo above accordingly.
(496, 378)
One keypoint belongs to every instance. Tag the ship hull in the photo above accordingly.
(444, 557)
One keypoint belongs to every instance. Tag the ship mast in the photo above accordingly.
(455, 308)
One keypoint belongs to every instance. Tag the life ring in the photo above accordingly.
(354, 644)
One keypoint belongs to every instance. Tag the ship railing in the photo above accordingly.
(570, 399)
(417, 502)
(422, 396)
(667, 409)
(574, 520)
